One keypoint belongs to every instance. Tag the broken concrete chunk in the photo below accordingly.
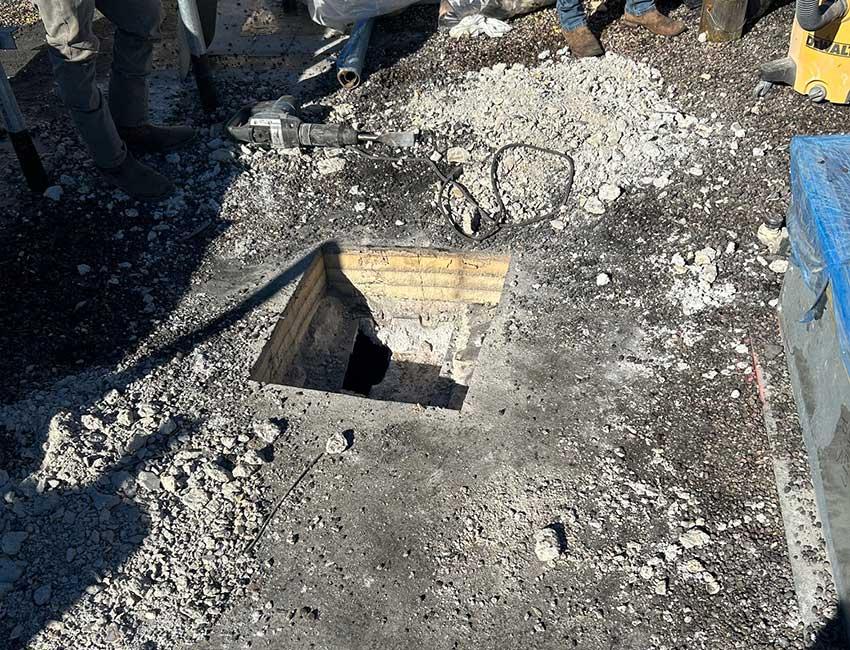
(705, 256)
(330, 166)
(773, 238)
(244, 470)
(457, 155)
(268, 430)
(778, 266)
(195, 499)
(694, 538)
(547, 544)
(168, 483)
(608, 192)
(217, 474)
(594, 206)
(252, 457)
(104, 501)
(148, 480)
(708, 273)
(336, 444)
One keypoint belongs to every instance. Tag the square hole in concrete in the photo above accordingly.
(395, 324)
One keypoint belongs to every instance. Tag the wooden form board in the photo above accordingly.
(418, 274)
(289, 331)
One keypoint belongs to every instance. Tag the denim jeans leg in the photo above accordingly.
(571, 14)
(639, 7)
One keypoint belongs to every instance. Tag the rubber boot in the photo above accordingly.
(149, 138)
(138, 181)
(655, 22)
(583, 43)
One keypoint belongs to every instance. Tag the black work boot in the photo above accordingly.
(138, 181)
(583, 43)
(150, 138)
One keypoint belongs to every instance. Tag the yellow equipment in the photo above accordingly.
(818, 61)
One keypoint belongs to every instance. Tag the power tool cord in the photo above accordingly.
(495, 221)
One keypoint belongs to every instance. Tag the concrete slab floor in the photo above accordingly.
(141, 462)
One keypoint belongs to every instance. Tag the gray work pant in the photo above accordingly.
(73, 50)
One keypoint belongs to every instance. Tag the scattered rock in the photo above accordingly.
(609, 192)
(772, 238)
(148, 480)
(41, 596)
(778, 266)
(328, 166)
(547, 544)
(268, 430)
(222, 155)
(594, 206)
(457, 155)
(12, 541)
(336, 444)
(694, 538)
(54, 192)
(9, 570)
(603, 279)
(168, 483)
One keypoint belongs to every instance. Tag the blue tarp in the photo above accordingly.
(819, 224)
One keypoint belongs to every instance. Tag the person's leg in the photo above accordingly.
(73, 49)
(580, 39)
(571, 14)
(137, 25)
(136, 30)
(642, 13)
(639, 7)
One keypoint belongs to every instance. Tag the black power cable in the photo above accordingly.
(489, 224)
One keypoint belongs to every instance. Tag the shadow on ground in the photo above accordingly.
(833, 636)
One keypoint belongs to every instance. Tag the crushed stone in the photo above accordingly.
(610, 114)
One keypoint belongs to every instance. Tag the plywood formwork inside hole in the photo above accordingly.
(427, 311)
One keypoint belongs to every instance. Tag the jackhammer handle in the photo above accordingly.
(327, 135)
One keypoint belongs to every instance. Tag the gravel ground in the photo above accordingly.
(610, 481)
(17, 13)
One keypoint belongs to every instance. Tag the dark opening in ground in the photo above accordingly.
(367, 364)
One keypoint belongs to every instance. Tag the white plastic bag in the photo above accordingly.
(339, 14)
(453, 11)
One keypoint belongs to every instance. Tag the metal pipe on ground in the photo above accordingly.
(352, 56)
(19, 136)
(194, 30)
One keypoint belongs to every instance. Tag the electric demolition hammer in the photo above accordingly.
(279, 124)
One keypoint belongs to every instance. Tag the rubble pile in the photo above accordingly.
(614, 116)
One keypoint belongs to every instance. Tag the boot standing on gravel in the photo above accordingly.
(638, 13)
(112, 130)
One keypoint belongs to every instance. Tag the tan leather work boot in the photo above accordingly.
(583, 43)
(655, 22)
